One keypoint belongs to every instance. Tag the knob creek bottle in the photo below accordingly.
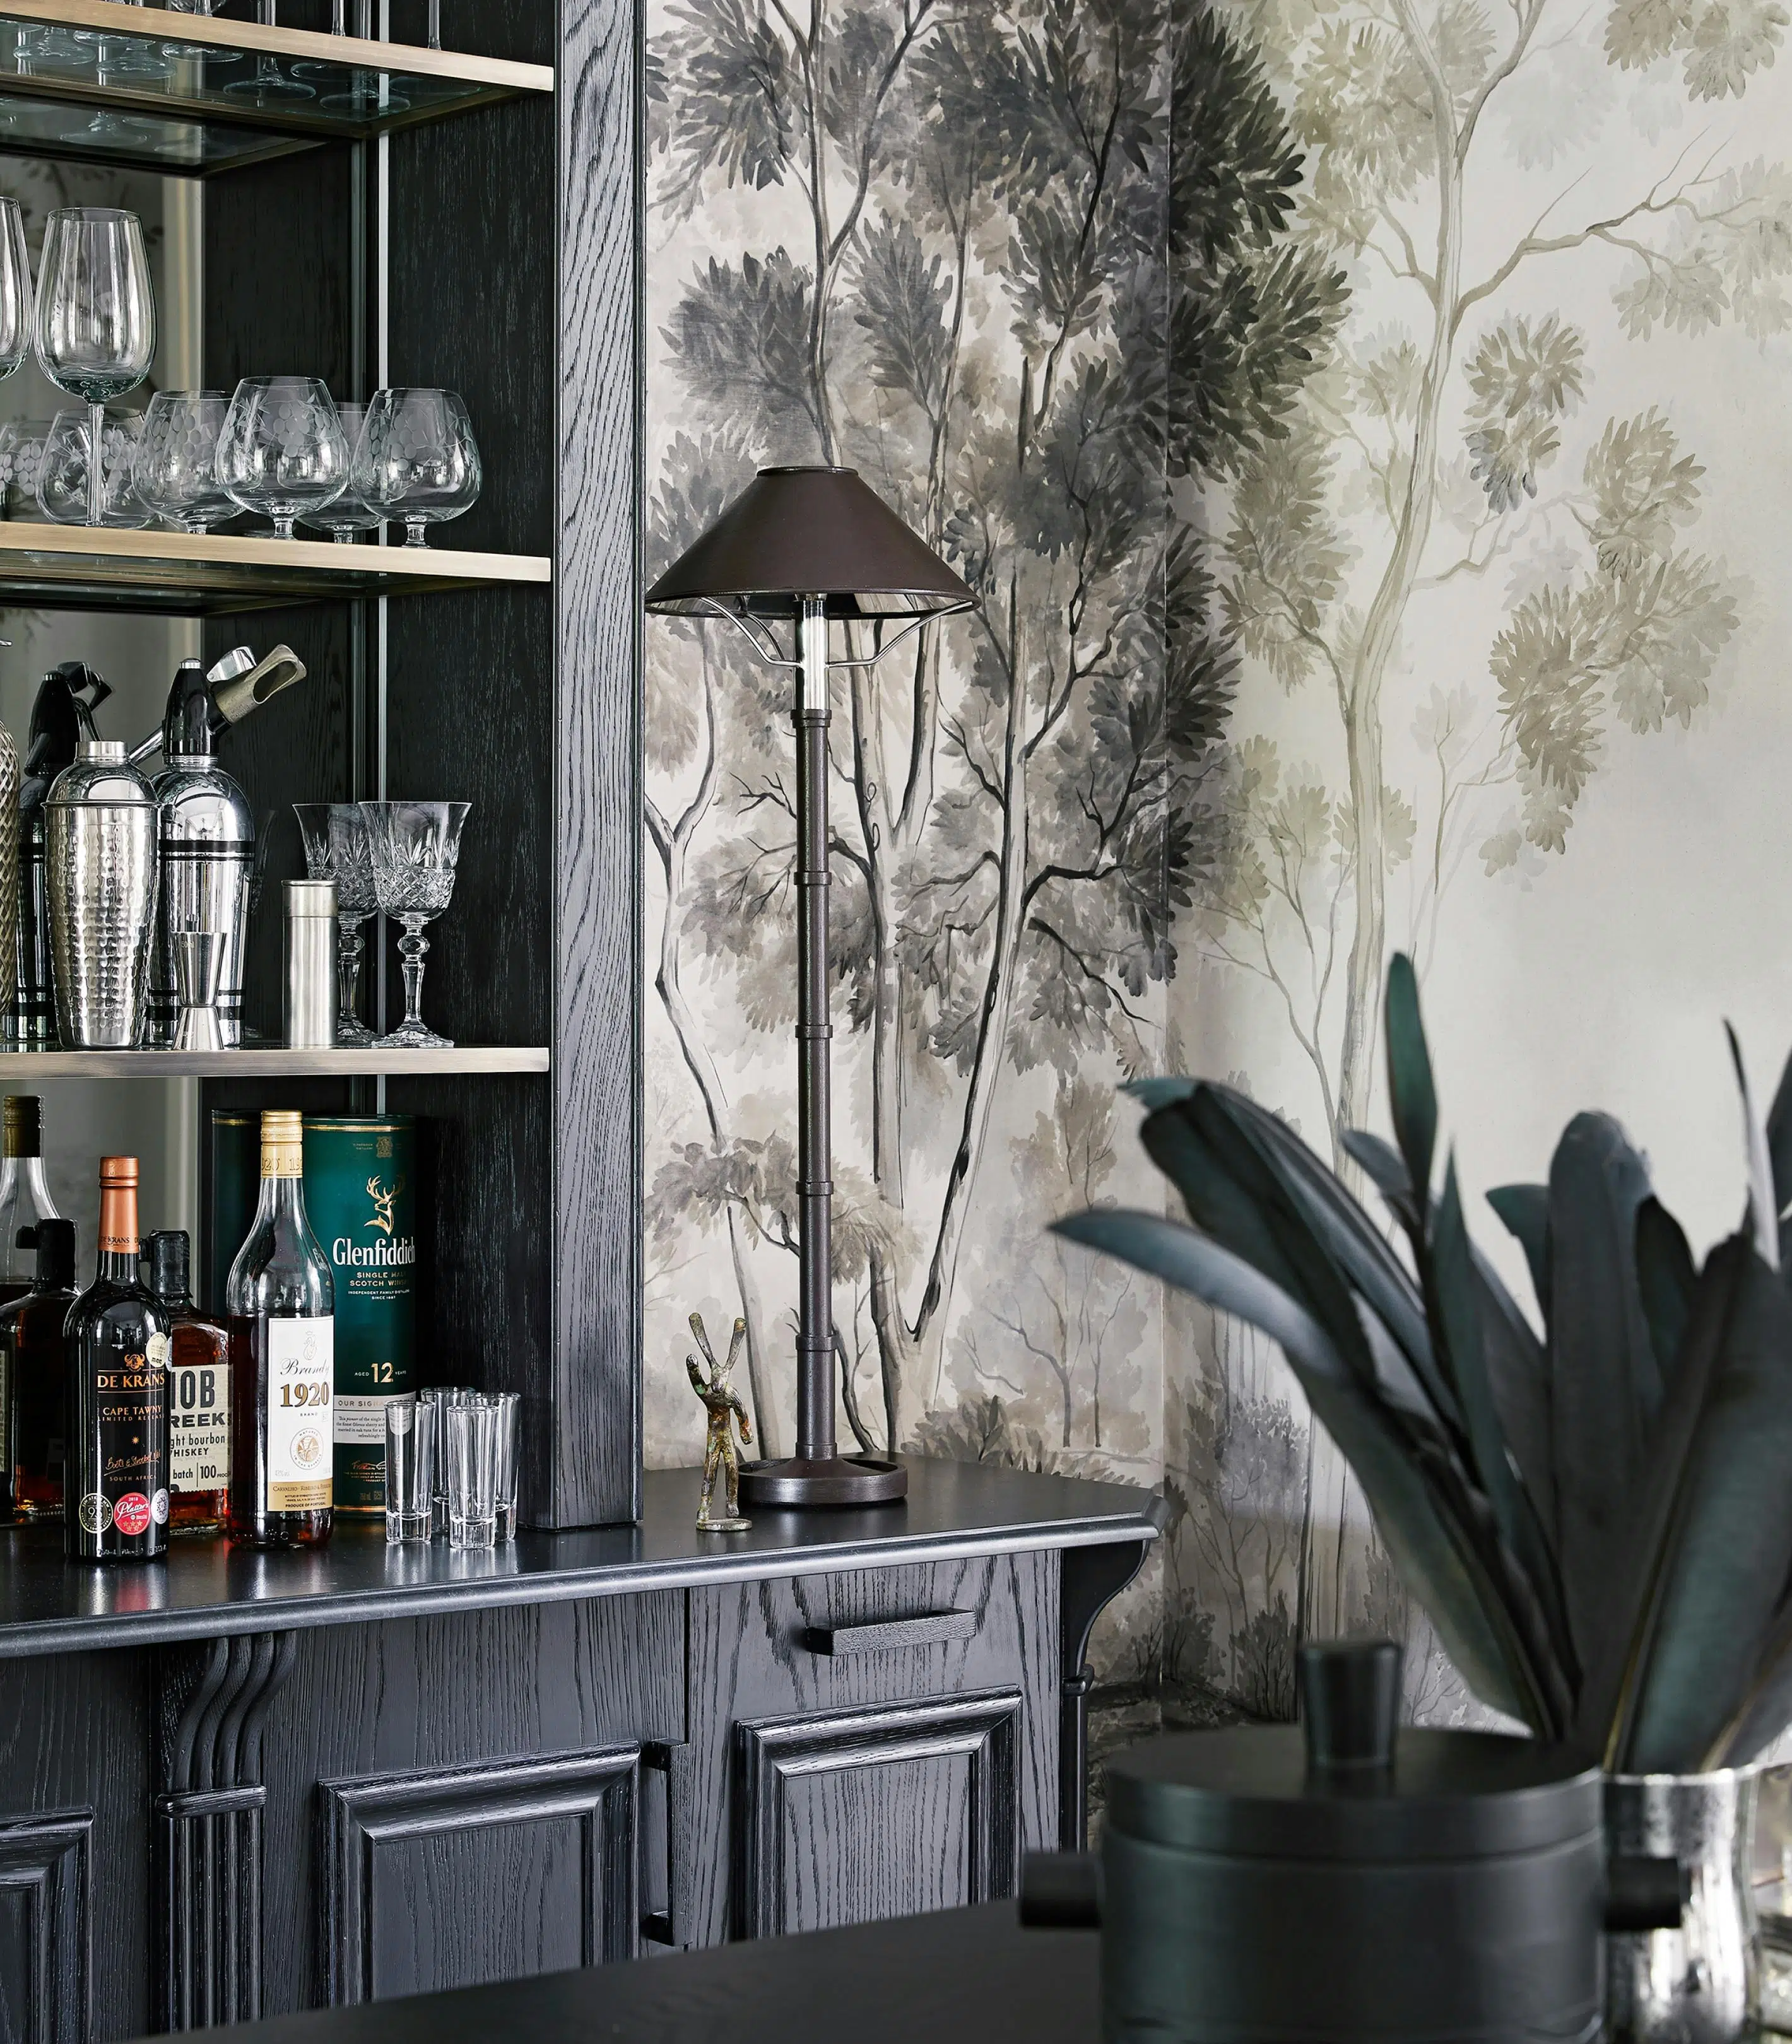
(115, 1347)
(280, 1309)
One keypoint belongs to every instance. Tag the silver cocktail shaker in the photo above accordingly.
(205, 831)
(310, 964)
(100, 847)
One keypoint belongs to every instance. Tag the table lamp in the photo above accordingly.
(811, 546)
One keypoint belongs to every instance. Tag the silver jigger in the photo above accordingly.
(199, 975)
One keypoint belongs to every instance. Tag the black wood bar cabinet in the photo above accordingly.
(236, 1784)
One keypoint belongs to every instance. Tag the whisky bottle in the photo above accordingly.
(31, 1345)
(24, 1198)
(198, 1390)
(115, 1345)
(280, 1306)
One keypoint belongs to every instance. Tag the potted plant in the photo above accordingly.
(1598, 1518)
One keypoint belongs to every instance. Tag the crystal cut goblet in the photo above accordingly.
(416, 847)
(336, 847)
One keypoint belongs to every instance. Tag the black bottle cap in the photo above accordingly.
(1350, 1703)
(169, 1254)
(62, 716)
(186, 727)
(56, 1255)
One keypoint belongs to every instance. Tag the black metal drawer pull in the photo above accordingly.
(884, 1636)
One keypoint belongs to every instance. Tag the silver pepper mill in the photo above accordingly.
(310, 965)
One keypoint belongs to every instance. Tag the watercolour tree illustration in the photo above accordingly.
(954, 278)
(1450, 442)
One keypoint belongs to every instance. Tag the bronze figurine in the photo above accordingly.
(723, 1404)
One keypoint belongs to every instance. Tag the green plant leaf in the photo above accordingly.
(1518, 1370)
(1411, 1089)
(1154, 1093)
(1765, 1712)
(1665, 1278)
(1605, 1386)
(1723, 1556)
(1524, 1210)
(1779, 1140)
(1385, 1170)
(1436, 1559)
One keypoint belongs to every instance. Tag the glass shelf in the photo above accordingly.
(85, 567)
(16, 1063)
(200, 112)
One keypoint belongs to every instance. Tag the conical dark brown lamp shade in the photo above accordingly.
(793, 532)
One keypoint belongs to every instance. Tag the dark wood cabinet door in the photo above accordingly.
(866, 1745)
(449, 1877)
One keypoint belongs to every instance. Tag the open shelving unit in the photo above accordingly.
(20, 1067)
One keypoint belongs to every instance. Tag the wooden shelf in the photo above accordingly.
(16, 1066)
(84, 567)
(190, 119)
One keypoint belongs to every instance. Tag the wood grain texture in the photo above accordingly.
(750, 1663)
(424, 1697)
(75, 1886)
(539, 1855)
(887, 1810)
(597, 1032)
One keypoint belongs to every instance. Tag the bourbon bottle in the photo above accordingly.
(198, 1390)
(115, 1345)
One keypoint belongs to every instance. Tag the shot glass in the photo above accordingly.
(472, 1473)
(441, 1396)
(508, 1403)
(410, 1469)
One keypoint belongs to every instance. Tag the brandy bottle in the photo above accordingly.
(31, 1353)
(198, 1390)
(25, 1195)
(115, 1347)
(280, 1308)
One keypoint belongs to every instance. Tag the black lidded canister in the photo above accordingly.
(1332, 1883)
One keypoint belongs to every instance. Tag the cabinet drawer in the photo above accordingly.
(866, 1745)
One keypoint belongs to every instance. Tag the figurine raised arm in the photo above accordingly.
(723, 1404)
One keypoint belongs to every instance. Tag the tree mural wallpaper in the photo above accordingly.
(1301, 387)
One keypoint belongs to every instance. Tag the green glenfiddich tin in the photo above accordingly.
(360, 1178)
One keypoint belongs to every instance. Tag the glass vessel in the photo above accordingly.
(198, 1390)
(64, 491)
(25, 1196)
(31, 1344)
(280, 1305)
(415, 847)
(270, 86)
(16, 302)
(95, 325)
(177, 459)
(350, 514)
(369, 91)
(21, 458)
(336, 847)
(418, 460)
(282, 451)
(115, 1345)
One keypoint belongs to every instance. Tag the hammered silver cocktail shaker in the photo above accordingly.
(100, 848)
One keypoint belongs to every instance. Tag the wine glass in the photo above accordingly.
(270, 83)
(96, 315)
(283, 450)
(369, 91)
(418, 460)
(177, 459)
(15, 290)
(345, 515)
(64, 494)
(415, 847)
(22, 457)
(336, 847)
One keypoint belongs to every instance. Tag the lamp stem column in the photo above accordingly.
(815, 1323)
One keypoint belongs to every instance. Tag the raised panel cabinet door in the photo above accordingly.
(455, 1876)
(867, 1744)
(46, 1873)
(851, 1816)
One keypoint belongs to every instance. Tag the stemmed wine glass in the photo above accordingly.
(415, 848)
(15, 290)
(283, 450)
(418, 460)
(345, 515)
(177, 459)
(336, 847)
(96, 317)
(270, 83)
(368, 91)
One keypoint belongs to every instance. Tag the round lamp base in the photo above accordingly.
(841, 1480)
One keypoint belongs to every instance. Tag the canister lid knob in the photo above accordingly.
(1350, 1704)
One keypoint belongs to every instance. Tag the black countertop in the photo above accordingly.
(206, 1589)
(964, 1977)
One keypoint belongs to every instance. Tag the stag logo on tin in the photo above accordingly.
(393, 1251)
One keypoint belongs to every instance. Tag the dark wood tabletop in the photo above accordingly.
(964, 1977)
(206, 1589)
